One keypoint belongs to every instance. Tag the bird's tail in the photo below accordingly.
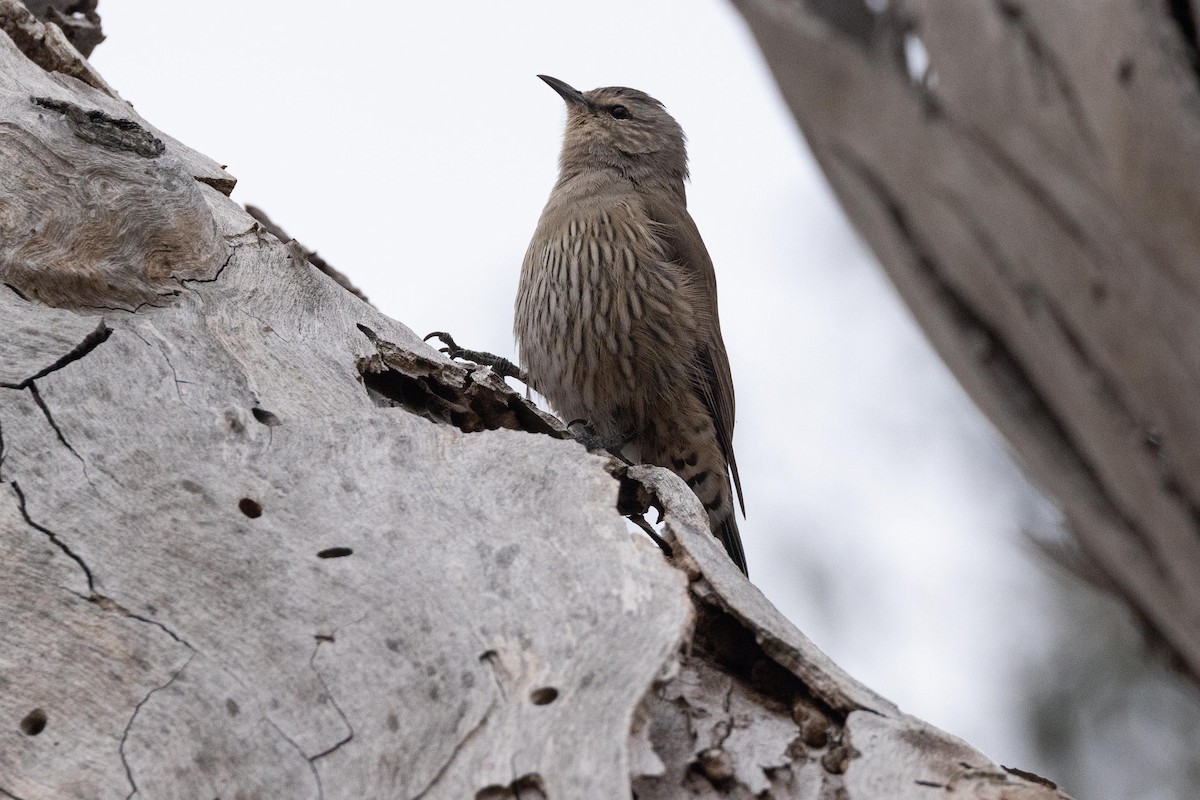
(698, 459)
(725, 528)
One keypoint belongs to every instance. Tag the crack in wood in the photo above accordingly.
(129, 725)
(228, 258)
(85, 346)
(99, 600)
(312, 663)
(59, 543)
(311, 764)
(108, 604)
(458, 748)
(40, 403)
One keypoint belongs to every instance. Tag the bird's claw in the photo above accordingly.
(452, 350)
(500, 365)
(586, 435)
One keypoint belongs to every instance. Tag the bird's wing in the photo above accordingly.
(681, 241)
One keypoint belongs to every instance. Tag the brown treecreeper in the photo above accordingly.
(616, 314)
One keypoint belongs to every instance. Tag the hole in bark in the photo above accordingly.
(421, 395)
(1125, 71)
(265, 417)
(251, 508)
(526, 787)
(727, 641)
(335, 552)
(530, 787)
(716, 765)
(838, 759)
(543, 696)
(34, 722)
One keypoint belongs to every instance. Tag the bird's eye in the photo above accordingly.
(619, 112)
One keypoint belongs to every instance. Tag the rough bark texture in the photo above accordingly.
(258, 540)
(77, 19)
(1031, 192)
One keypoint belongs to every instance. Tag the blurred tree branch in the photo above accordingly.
(1024, 173)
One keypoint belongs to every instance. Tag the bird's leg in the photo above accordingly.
(640, 521)
(500, 365)
(634, 499)
(586, 435)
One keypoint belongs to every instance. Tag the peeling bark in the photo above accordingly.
(1025, 194)
(260, 540)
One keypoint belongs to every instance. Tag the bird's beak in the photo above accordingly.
(570, 94)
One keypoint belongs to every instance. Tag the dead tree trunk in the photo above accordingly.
(1025, 173)
(258, 540)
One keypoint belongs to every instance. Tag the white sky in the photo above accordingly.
(413, 147)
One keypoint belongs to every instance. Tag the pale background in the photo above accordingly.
(413, 147)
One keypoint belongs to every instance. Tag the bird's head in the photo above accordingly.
(622, 129)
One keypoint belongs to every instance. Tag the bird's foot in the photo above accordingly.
(500, 365)
(586, 435)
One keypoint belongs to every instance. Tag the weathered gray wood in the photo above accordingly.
(427, 610)
(279, 233)
(700, 556)
(260, 541)
(32, 346)
(1031, 197)
(69, 660)
(756, 707)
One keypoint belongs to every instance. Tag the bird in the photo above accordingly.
(616, 312)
